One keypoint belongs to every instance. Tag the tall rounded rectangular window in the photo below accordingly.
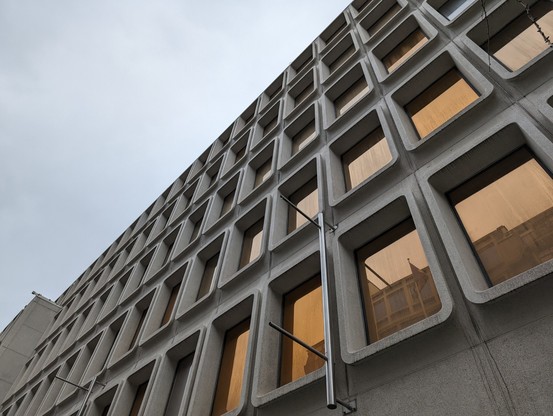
(231, 371)
(303, 317)
(396, 283)
(507, 213)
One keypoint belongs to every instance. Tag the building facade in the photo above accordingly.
(424, 133)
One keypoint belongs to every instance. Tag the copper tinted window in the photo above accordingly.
(170, 304)
(303, 137)
(306, 199)
(440, 102)
(251, 244)
(231, 372)
(138, 399)
(262, 173)
(396, 282)
(507, 212)
(386, 17)
(179, 383)
(404, 50)
(303, 317)
(351, 96)
(519, 42)
(365, 158)
(207, 278)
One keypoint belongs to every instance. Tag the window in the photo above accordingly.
(507, 213)
(334, 29)
(351, 96)
(519, 42)
(171, 304)
(271, 124)
(440, 102)
(365, 158)
(251, 244)
(228, 202)
(263, 172)
(303, 137)
(306, 199)
(452, 9)
(231, 371)
(385, 18)
(207, 277)
(303, 94)
(342, 58)
(179, 383)
(106, 410)
(405, 49)
(397, 286)
(138, 398)
(303, 317)
(138, 328)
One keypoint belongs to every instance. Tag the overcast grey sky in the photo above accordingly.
(104, 103)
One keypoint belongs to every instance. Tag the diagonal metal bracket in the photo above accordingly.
(88, 390)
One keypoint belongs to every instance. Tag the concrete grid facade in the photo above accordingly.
(146, 321)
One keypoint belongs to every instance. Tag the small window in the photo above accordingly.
(440, 102)
(208, 275)
(452, 9)
(405, 49)
(263, 172)
(231, 370)
(171, 304)
(519, 42)
(139, 326)
(384, 19)
(228, 202)
(351, 96)
(138, 398)
(180, 379)
(342, 58)
(306, 199)
(365, 158)
(507, 213)
(397, 286)
(303, 317)
(251, 244)
(301, 62)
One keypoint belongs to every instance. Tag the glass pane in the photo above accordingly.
(307, 199)
(519, 42)
(170, 304)
(407, 47)
(179, 383)
(262, 173)
(351, 96)
(251, 245)
(341, 59)
(304, 137)
(453, 8)
(365, 158)
(231, 372)
(440, 102)
(303, 317)
(386, 17)
(397, 285)
(302, 95)
(507, 212)
(228, 202)
(207, 278)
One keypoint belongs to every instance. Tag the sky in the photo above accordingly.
(103, 104)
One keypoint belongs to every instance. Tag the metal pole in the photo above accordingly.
(330, 390)
(88, 393)
(303, 214)
(299, 341)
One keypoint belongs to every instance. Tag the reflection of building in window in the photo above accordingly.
(307, 200)
(303, 317)
(440, 102)
(507, 212)
(405, 49)
(519, 42)
(251, 245)
(398, 288)
(231, 371)
(366, 157)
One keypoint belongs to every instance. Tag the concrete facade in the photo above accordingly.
(488, 348)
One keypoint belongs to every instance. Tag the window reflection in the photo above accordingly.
(397, 285)
(303, 317)
(507, 212)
